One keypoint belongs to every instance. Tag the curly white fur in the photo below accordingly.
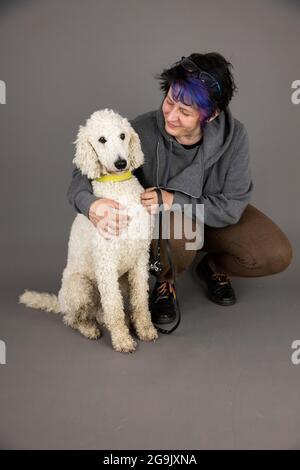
(100, 273)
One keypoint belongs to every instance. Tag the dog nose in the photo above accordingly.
(120, 164)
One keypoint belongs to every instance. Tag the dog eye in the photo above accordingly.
(102, 140)
(122, 136)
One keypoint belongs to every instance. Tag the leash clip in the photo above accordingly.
(156, 266)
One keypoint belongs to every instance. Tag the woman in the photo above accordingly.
(198, 153)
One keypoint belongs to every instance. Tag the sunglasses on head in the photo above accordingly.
(206, 78)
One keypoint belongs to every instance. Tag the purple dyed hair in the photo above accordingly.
(191, 92)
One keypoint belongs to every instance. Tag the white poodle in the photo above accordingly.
(100, 272)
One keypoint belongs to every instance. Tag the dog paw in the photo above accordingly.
(124, 344)
(147, 334)
(89, 330)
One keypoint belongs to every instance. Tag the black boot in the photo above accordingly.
(162, 303)
(219, 289)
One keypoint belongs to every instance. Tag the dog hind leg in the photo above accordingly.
(79, 299)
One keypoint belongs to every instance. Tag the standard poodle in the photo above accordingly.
(103, 275)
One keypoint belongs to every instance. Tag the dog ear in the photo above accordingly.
(135, 151)
(86, 158)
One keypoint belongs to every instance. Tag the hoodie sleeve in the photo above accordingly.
(226, 208)
(80, 192)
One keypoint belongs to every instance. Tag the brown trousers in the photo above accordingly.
(255, 246)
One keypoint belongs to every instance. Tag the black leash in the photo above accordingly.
(157, 267)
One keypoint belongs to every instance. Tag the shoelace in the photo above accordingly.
(223, 279)
(164, 291)
(224, 282)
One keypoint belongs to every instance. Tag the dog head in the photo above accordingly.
(107, 144)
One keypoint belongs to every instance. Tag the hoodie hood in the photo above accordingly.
(217, 137)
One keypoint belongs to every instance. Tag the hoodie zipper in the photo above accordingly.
(157, 171)
(157, 164)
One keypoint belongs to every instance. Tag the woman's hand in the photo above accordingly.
(149, 199)
(107, 217)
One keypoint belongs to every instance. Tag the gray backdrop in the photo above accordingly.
(61, 60)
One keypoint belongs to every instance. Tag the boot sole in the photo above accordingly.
(163, 322)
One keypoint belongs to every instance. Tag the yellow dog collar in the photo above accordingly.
(122, 177)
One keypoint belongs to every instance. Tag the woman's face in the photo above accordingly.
(180, 120)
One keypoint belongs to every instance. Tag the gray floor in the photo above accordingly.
(223, 380)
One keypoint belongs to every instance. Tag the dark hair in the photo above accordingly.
(191, 90)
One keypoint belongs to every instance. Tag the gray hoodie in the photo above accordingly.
(216, 173)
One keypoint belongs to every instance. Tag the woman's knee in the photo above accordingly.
(281, 257)
(272, 260)
(259, 244)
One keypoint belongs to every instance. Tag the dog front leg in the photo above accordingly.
(113, 309)
(138, 278)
